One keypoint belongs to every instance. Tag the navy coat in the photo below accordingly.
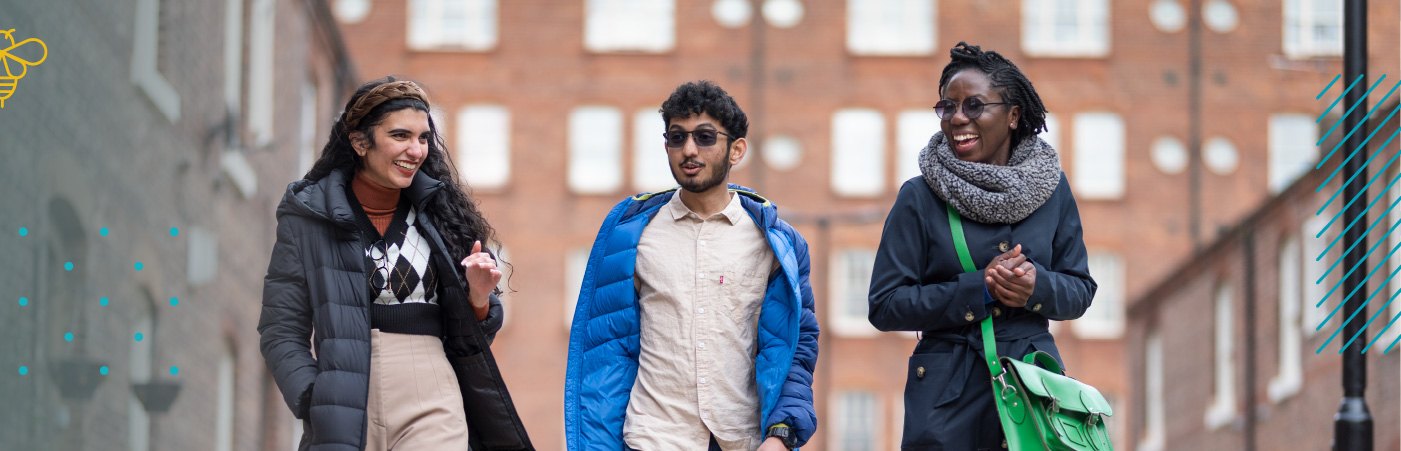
(918, 284)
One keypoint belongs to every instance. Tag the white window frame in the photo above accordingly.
(850, 289)
(306, 134)
(1223, 410)
(1312, 246)
(891, 27)
(1104, 320)
(1099, 155)
(1299, 40)
(1393, 265)
(233, 58)
(484, 145)
(847, 416)
(427, 21)
(647, 26)
(858, 144)
(1093, 29)
(1154, 413)
(145, 60)
(202, 265)
(262, 31)
(912, 132)
(1053, 132)
(1292, 149)
(141, 361)
(575, 265)
(595, 150)
(226, 406)
(651, 168)
(1290, 376)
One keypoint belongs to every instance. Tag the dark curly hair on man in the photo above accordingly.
(1016, 88)
(704, 96)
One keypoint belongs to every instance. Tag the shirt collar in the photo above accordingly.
(733, 211)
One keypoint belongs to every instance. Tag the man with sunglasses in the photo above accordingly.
(694, 328)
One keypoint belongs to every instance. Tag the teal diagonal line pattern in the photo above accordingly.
(1349, 111)
(1381, 309)
(1362, 122)
(1349, 296)
(1339, 99)
(1350, 224)
(1354, 267)
(1361, 146)
(1369, 182)
(1326, 88)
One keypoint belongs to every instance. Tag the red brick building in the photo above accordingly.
(551, 108)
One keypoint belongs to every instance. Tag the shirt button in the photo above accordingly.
(996, 311)
(700, 243)
(700, 310)
(968, 316)
(701, 380)
(1036, 308)
(1003, 246)
(702, 275)
(701, 345)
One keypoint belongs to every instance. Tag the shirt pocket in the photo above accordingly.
(743, 293)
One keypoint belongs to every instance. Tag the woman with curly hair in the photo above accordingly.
(380, 257)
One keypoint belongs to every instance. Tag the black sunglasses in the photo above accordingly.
(972, 108)
(705, 137)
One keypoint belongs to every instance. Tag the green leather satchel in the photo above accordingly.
(1040, 407)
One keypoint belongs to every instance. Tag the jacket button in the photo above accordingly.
(1003, 247)
(1036, 308)
(968, 316)
(997, 311)
(919, 372)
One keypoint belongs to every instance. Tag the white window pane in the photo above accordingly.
(1105, 317)
(306, 142)
(225, 396)
(1065, 28)
(233, 56)
(1314, 268)
(851, 281)
(1154, 419)
(1289, 378)
(856, 414)
(575, 263)
(1223, 407)
(1052, 134)
(261, 31)
(1313, 28)
(1393, 240)
(890, 27)
(595, 149)
(484, 145)
(914, 128)
(452, 24)
(651, 171)
(1292, 150)
(1099, 155)
(858, 152)
(630, 25)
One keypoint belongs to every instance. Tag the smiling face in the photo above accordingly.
(396, 148)
(987, 138)
(702, 169)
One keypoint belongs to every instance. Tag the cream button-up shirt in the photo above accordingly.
(700, 282)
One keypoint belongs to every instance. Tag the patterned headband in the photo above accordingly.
(379, 95)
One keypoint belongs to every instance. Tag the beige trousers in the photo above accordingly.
(415, 403)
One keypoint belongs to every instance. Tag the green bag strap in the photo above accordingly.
(960, 244)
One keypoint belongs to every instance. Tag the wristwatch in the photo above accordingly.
(783, 433)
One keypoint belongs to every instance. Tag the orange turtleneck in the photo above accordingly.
(378, 202)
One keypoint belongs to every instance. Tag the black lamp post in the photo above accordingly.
(1353, 423)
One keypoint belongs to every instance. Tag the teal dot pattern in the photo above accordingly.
(104, 301)
(23, 231)
(103, 370)
(174, 231)
(174, 371)
(174, 301)
(23, 301)
(23, 370)
(138, 337)
(139, 266)
(68, 266)
(103, 231)
(68, 337)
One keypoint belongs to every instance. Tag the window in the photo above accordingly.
(1065, 28)
(1290, 377)
(913, 130)
(484, 145)
(1223, 406)
(1292, 150)
(306, 144)
(144, 59)
(856, 413)
(468, 25)
(140, 361)
(1052, 134)
(261, 30)
(630, 25)
(595, 147)
(224, 414)
(575, 263)
(1105, 317)
(203, 256)
(233, 61)
(1393, 267)
(890, 27)
(858, 152)
(851, 281)
(1099, 155)
(1313, 28)
(1153, 410)
(651, 170)
(1314, 268)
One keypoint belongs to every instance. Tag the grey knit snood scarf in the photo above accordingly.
(987, 193)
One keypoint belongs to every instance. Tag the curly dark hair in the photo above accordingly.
(706, 97)
(1016, 88)
(453, 211)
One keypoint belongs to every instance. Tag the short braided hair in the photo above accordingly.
(1016, 88)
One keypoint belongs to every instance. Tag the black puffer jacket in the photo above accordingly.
(317, 281)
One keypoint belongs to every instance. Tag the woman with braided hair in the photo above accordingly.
(380, 257)
(987, 168)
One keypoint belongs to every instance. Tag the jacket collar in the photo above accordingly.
(326, 199)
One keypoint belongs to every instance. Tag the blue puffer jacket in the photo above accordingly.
(604, 339)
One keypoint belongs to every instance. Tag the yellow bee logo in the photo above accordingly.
(15, 65)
